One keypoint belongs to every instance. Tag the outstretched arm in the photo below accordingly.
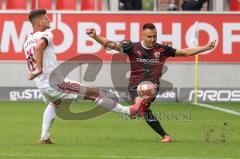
(194, 51)
(103, 41)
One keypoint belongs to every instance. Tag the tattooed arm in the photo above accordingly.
(103, 41)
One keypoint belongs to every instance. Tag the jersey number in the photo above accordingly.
(31, 61)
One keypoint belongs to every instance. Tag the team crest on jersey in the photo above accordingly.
(157, 55)
(139, 53)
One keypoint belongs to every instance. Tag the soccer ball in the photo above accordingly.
(146, 89)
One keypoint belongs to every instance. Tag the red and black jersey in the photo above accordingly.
(146, 64)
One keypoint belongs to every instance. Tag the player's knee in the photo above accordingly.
(92, 93)
(55, 104)
(137, 99)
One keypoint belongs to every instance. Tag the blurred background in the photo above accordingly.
(116, 5)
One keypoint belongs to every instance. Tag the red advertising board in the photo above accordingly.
(175, 29)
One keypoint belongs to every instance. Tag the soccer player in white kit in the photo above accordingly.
(41, 59)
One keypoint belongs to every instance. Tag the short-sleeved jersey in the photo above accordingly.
(49, 56)
(146, 64)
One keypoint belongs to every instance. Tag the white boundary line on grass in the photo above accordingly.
(217, 108)
(104, 157)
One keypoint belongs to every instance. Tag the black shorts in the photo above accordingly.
(132, 90)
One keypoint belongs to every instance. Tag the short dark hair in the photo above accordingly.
(36, 13)
(149, 26)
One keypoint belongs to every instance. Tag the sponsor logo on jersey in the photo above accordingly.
(139, 53)
(148, 61)
(156, 55)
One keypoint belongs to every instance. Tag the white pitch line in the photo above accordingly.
(217, 108)
(104, 157)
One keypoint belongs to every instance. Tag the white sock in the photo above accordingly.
(111, 105)
(48, 118)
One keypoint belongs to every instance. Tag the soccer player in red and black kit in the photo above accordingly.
(147, 58)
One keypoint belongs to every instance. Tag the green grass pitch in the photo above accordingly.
(199, 133)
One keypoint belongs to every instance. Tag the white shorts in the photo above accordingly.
(67, 90)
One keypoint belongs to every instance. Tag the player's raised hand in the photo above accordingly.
(34, 74)
(211, 45)
(91, 32)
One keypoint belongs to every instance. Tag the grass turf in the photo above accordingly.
(198, 133)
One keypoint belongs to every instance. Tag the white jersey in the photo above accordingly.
(49, 56)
